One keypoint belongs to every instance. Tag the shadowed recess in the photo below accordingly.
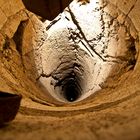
(70, 84)
(71, 88)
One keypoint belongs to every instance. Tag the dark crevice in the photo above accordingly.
(81, 32)
(71, 89)
(52, 23)
(70, 83)
(6, 44)
(18, 36)
(131, 54)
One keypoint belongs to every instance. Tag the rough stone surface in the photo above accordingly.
(99, 41)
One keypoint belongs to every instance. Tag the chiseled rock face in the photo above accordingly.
(87, 52)
(78, 74)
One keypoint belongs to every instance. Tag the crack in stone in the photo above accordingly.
(87, 42)
(52, 23)
(80, 30)
(131, 8)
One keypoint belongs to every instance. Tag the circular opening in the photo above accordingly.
(71, 57)
(71, 88)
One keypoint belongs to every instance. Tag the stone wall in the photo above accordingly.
(101, 46)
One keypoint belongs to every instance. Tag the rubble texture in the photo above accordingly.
(90, 50)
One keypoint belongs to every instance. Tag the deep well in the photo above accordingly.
(78, 73)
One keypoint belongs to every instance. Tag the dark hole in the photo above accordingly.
(71, 90)
(71, 82)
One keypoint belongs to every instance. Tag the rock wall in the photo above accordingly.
(95, 46)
